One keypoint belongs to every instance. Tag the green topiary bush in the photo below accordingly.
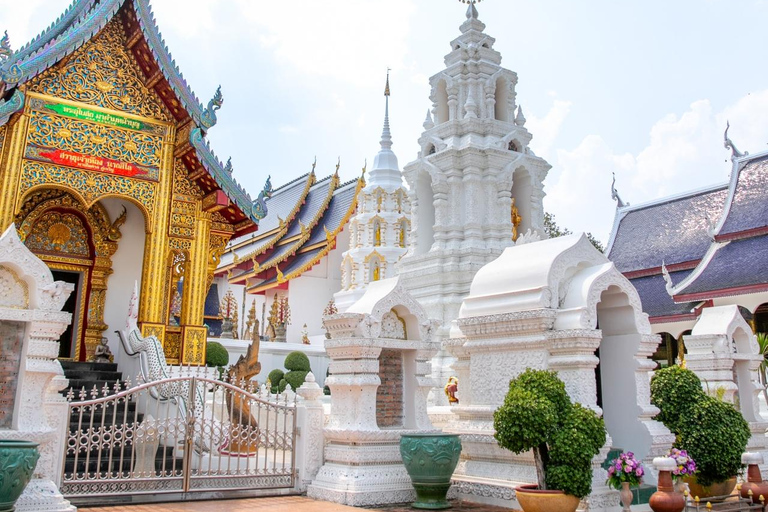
(538, 415)
(713, 432)
(275, 376)
(297, 361)
(216, 356)
(674, 390)
(297, 364)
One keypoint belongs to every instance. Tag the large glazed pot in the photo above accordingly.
(430, 460)
(531, 499)
(716, 489)
(665, 499)
(17, 463)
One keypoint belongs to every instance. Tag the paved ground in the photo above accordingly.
(281, 504)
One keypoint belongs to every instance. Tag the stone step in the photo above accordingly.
(83, 366)
(95, 375)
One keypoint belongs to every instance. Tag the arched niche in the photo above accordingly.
(502, 100)
(441, 103)
(522, 192)
(425, 213)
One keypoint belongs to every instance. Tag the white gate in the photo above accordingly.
(209, 436)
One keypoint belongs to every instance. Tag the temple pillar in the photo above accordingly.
(194, 334)
(95, 325)
(10, 168)
(152, 314)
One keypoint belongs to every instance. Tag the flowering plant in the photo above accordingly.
(686, 466)
(625, 469)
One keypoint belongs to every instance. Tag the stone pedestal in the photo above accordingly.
(379, 379)
(31, 377)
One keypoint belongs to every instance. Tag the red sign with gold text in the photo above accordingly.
(92, 163)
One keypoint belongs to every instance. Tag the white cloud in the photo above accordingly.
(546, 129)
(684, 152)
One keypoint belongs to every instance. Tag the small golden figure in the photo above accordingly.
(451, 389)
(516, 219)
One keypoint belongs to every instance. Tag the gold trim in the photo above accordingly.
(282, 230)
(328, 248)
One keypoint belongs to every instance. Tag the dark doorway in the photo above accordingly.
(598, 380)
(68, 341)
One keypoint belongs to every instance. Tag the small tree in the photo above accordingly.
(538, 415)
(713, 432)
(553, 231)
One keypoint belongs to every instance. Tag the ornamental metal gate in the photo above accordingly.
(177, 436)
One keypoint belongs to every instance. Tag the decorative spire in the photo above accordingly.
(386, 136)
(228, 168)
(735, 153)
(615, 193)
(5, 47)
(668, 284)
(520, 119)
(471, 10)
(428, 123)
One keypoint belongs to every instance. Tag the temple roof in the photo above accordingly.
(656, 301)
(746, 208)
(733, 268)
(304, 217)
(81, 22)
(673, 230)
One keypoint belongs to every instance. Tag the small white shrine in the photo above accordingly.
(31, 408)
(724, 354)
(557, 304)
(380, 352)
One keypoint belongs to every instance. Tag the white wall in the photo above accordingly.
(127, 264)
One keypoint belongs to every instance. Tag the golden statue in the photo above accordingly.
(402, 235)
(450, 390)
(516, 219)
(243, 436)
(376, 233)
(376, 271)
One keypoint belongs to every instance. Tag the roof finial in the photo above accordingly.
(365, 166)
(735, 153)
(314, 164)
(338, 164)
(615, 193)
(471, 10)
(386, 135)
(668, 284)
(5, 47)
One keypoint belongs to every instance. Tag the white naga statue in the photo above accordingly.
(154, 368)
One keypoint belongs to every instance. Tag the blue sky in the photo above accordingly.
(642, 89)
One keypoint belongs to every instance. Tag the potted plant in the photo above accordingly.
(538, 415)
(623, 473)
(711, 431)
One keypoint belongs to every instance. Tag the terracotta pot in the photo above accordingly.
(755, 484)
(531, 499)
(430, 460)
(17, 463)
(716, 489)
(665, 499)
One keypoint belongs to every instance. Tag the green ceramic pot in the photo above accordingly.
(17, 463)
(430, 460)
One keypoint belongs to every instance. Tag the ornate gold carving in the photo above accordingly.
(52, 131)
(194, 345)
(2, 139)
(103, 73)
(182, 185)
(183, 215)
(89, 187)
(157, 330)
(59, 233)
(172, 346)
(61, 230)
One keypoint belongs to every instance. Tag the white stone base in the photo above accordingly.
(362, 486)
(43, 496)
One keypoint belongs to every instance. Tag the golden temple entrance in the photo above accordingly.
(77, 243)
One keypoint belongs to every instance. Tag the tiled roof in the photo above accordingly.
(653, 294)
(673, 230)
(735, 264)
(749, 206)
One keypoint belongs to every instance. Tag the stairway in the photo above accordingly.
(116, 460)
(642, 494)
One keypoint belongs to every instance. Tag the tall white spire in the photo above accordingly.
(386, 170)
(380, 229)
